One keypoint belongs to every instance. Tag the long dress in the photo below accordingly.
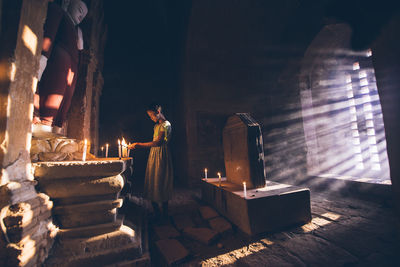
(158, 183)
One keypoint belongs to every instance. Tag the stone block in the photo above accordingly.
(172, 251)
(14, 192)
(182, 221)
(90, 231)
(80, 169)
(244, 151)
(203, 235)
(118, 245)
(143, 261)
(73, 220)
(220, 225)
(19, 227)
(78, 187)
(165, 231)
(268, 209)
(208, 212)
(97, 212)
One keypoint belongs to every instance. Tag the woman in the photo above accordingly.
(158, 183)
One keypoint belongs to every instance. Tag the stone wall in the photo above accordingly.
(246, 56)
(238, 60)
(386, 59)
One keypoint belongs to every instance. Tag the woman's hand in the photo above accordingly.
(133, 146)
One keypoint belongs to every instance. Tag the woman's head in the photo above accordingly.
(154, 112)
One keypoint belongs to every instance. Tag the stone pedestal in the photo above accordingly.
(268, 206)
(268, 209)
(86, 199)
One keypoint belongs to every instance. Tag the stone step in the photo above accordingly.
(88, 207)
(89, 231)
(120, 245)
(91, 213)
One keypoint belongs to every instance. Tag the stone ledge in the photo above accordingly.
(81, 169)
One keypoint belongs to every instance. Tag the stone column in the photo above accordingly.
(82, 119)
(26, 228)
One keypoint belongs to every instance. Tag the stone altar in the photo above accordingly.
(268, 206)
(86, 199)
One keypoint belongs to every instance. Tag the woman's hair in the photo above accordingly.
(154, 107)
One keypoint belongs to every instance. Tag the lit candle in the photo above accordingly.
(102, 151)
(124, 148)
(219, 178)
(106, 150)
(244, 190)
(119, 148)
(128, 150)
(205, 173)
(84, 151)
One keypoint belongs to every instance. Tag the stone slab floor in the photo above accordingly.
(344, 231)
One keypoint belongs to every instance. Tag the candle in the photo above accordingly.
(244, 190)
(119, 148)
(84, 151)
(124, 148)
(128, 150)
(219, 179)
(106, 150)
(205, 173)
(102, 151)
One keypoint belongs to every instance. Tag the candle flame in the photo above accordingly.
(123, 142)
(119, 142)
(244, 183)
(205, 169)
(102, 148)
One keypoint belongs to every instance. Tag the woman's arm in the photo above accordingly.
(154, 143)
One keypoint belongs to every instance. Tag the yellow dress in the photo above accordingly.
(158, 183)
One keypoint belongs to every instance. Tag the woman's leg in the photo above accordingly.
(61, 116)
(49, 108)
(57, 76)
